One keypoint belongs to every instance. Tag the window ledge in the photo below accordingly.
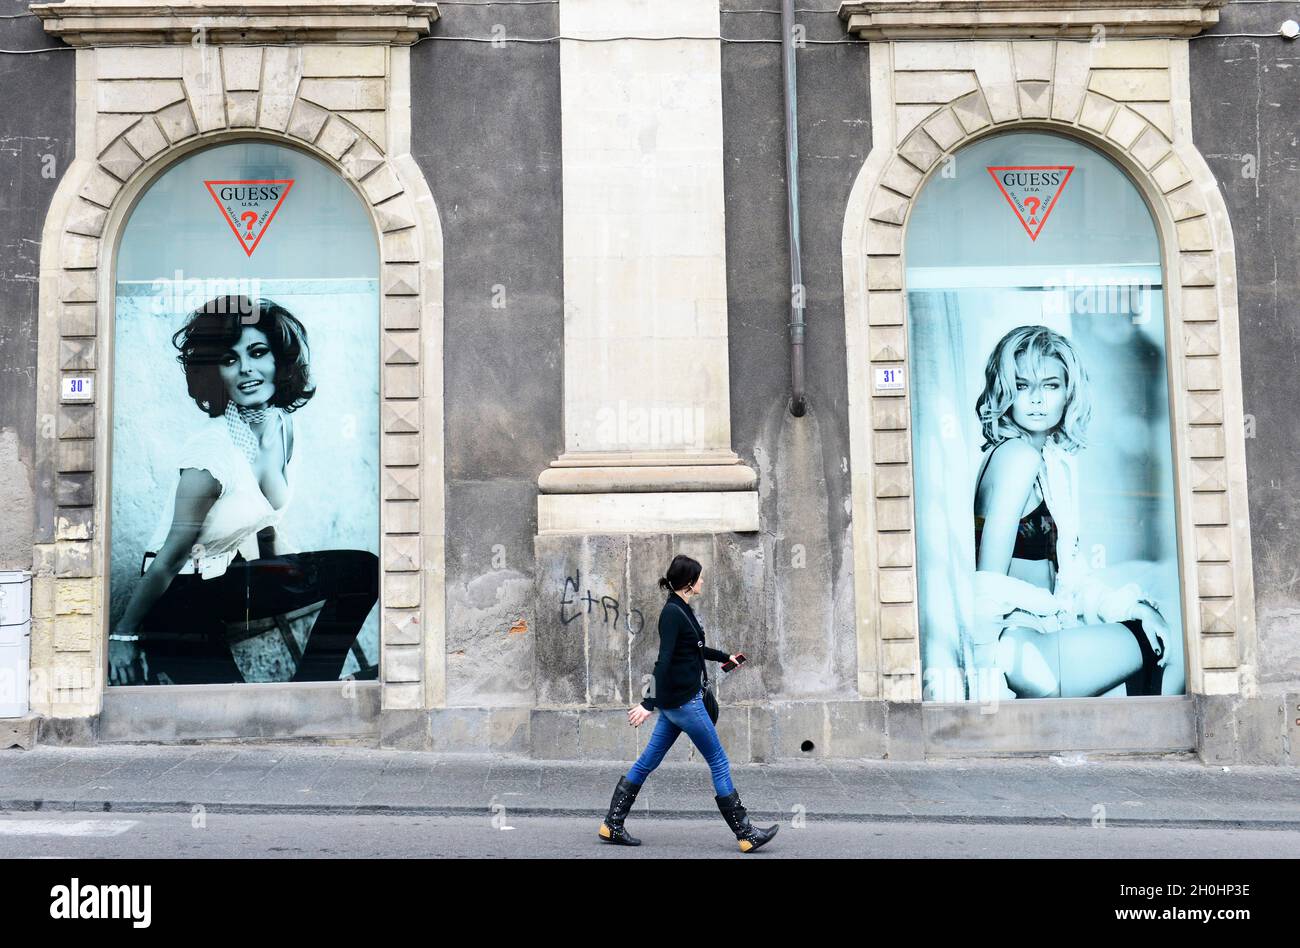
(134, 22)
(1001, 19)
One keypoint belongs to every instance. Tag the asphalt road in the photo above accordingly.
(233, 835)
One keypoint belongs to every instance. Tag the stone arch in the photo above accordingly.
(1120, 100)
(136, 116)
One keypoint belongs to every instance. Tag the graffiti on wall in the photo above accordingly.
(608, 609)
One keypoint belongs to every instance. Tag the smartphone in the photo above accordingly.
(729, 665)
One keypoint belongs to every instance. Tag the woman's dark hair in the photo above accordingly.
(214, 328)
(682, 572)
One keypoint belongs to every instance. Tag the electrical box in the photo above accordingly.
(15, 641)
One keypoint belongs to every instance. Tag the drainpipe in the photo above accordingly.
(798, 400)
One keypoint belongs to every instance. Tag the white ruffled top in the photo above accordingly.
(240, 511)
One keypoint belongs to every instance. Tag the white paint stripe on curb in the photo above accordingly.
(65, 827)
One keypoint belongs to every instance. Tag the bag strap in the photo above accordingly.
(699, 630)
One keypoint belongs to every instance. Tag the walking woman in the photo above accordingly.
(680, 690)
(216, 560)
(1045, 622)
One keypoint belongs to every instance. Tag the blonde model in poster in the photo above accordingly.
(1042, 620)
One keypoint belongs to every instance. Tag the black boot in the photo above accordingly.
(611, 830)
(750, 836)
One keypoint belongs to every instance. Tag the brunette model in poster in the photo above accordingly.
(247, 369)
(1049, 626)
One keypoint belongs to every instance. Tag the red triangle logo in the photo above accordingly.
(1032, 191)
(249, 206)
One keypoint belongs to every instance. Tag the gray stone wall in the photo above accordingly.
(1245, 119)
(485, 131)
(804, 477)
(598, 606)
(36, 147)
(785, 594)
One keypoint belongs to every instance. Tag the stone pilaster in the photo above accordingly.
(646, 401)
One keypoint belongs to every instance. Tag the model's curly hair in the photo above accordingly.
(1036, 344)
(214, 328)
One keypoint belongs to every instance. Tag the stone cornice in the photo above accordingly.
(628, 479)
(1000, 19)
(133, 22)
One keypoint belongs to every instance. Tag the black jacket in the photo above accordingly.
(682, 652)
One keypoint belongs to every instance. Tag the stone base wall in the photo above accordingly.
(1221, 729)
(19, 732)
(1261, 730)
(751, 733)
(597, 604)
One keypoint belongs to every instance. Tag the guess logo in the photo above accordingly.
(1032, 191)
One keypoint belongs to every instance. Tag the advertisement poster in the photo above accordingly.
(245, 427)
(1045, 514)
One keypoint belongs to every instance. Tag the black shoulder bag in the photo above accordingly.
(710, 702)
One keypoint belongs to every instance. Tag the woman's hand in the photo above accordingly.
(122, 663)
(636, 715)
(196, 492)
(1157, 633)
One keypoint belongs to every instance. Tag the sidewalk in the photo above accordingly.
(311, 778)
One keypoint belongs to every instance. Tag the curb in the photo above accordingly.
(302, 809)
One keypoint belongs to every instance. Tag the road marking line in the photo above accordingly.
(65, 827)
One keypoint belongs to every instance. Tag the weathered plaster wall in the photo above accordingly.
(486, 133)
(804, 479)
(36, 144)
(1246, 121)
(785, 594)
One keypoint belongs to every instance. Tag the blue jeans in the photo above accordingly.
(694, 720)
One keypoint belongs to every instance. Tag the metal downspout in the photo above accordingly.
(798, 400)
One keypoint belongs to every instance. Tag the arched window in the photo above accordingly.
(245, 425)
(1044, 489)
